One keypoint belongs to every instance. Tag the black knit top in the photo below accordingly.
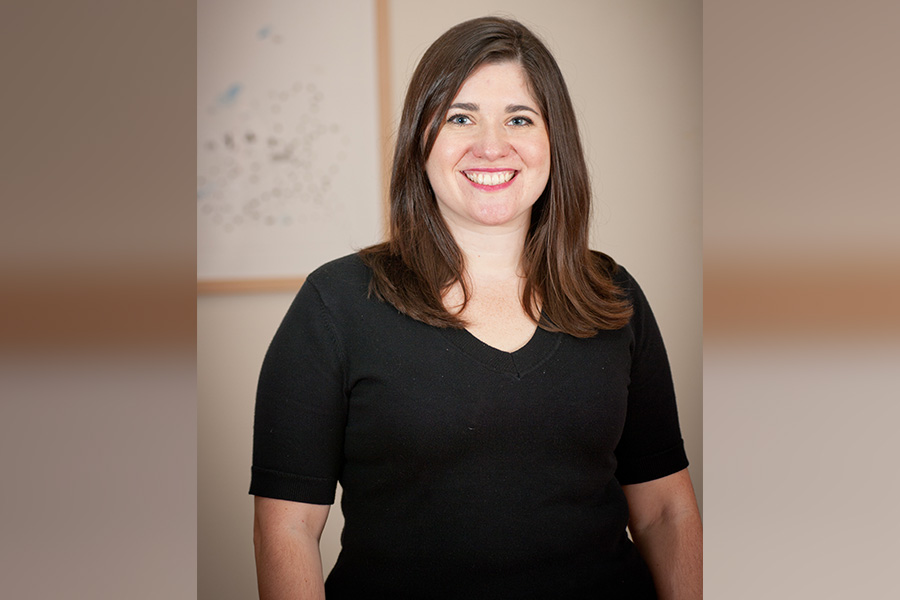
(467, 472)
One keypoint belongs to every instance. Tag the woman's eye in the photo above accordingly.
(459, 120)
(520, 121)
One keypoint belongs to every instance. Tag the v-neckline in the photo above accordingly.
(516, 363)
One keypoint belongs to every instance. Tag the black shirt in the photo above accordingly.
(467, 472)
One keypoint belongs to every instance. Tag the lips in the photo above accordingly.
(490, 178)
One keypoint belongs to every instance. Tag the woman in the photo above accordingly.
(494, 398)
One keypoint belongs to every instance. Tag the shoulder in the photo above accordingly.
(346, 268)
(334, 289)
(642, 324)
(642, 315)
(341, 291)
(342, 277)
(616, 273)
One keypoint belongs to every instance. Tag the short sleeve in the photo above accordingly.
(651, 445)
(301, 407)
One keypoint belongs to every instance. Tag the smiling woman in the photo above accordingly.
(494, 397)
(423, 270)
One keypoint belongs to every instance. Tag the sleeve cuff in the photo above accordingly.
(654, 466)
(287, 486)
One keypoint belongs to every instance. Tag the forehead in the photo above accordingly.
(502, 80)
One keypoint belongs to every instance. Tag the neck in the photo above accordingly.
(491, 253)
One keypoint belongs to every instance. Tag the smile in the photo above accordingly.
(489, 178)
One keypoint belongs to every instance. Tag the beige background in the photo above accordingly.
(801, 152)
(633, 70)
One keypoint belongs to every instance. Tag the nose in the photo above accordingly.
(491, 143)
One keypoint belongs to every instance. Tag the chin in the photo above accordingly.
(496, 216)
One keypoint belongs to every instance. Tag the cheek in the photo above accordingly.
(436, 170)
(445, 153)
(441, 167)
(539, 163)
(536, 152)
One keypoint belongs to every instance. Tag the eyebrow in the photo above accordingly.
(510, 108)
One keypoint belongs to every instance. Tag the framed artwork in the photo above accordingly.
(290, 144)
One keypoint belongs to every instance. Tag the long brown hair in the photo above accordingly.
(572, 285)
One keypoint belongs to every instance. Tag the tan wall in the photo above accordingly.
(634, 72)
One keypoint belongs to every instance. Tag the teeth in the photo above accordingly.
(482, 178)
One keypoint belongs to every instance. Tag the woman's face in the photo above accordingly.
(491, 159)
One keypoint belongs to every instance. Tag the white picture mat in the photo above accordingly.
(287, 136)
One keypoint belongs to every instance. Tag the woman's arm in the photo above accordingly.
(665, 525)
(286, 537)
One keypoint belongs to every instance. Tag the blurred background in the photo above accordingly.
(98, 409)
(103, 370)
(801, 254)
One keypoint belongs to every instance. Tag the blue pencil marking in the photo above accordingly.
(228, 97)
(264, 32)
